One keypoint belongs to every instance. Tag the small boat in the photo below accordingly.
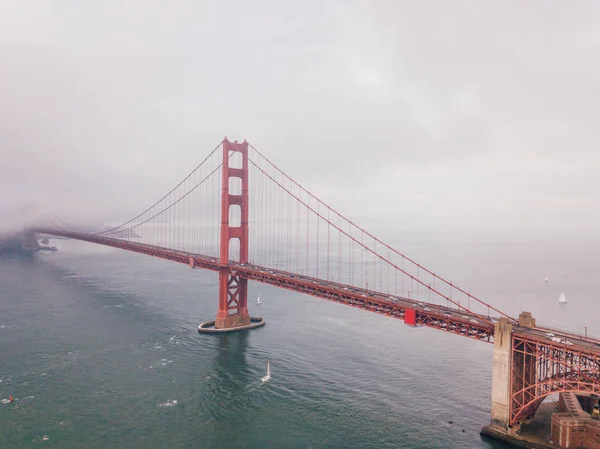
(268, 376)
(258, 301)
(562, 298)
(546, 279)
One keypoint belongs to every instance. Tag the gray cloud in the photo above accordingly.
(463, 115)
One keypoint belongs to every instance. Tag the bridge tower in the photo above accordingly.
(233, 290)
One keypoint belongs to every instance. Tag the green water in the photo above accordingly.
(99, 349)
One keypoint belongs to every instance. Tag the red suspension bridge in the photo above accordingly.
(238, 214)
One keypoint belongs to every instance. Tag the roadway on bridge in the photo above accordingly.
(441, 317)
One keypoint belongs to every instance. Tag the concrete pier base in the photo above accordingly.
(514, 439)
(562, 424)
(534, 435)
(230, 321)
(208, 327)
(501, 374)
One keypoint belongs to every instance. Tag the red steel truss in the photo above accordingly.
(541, 367)
(436, 316)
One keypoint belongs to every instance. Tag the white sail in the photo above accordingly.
(268, 376)
(546, 279)
(258, 301)
(562, 298)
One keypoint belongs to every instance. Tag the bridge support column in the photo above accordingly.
(233, 290)
(514, 373)
(233, 301)
(29, 243)
(501, 379)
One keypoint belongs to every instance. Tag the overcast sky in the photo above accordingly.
(415, 115)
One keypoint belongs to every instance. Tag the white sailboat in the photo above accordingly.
(562, 299)
(546, 279)
(258, 301)
(268, 376)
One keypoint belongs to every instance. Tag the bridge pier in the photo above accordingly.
(29, 242)
(501, 373)
(514, 372)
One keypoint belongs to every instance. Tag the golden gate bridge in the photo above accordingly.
(240, 215)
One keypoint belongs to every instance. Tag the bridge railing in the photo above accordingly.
(570, 334)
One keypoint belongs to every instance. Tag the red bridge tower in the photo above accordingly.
(233, 290)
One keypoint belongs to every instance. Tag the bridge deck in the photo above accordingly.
(440, 317)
